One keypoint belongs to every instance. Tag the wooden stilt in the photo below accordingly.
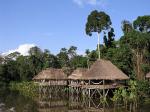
(89, 90)
(103, 88)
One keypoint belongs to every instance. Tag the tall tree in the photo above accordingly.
(97, 22)
(142, 23)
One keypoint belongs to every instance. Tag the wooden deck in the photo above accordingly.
(100, 86)
(53, 83)
(108, 86)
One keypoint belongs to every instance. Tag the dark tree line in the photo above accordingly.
(15, 67)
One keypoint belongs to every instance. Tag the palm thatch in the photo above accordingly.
(51, 74)
(77, 74)
(104, 70)
(148, 75)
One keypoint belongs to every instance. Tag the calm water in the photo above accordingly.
(12, 101)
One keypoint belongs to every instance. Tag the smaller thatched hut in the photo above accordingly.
(75, 77)
(77, 74)
(51, 76)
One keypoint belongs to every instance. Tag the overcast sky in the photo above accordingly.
(53, 24)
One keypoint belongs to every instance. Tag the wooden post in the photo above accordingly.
(98, 46)
(89, 103)
(89, 93)
(89, 89)
(103, 92)
(103, 88)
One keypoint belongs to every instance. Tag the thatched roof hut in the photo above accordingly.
(148, 75)
(51, 74)
(77, 74)
(104, 70)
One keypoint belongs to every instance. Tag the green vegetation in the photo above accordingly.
(29, 89)
(131, 53)
(126, 95)
(137, 92)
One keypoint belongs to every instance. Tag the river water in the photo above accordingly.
(12, 101)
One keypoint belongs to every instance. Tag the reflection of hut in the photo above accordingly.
(52, 106)
(51, 103)
(148, 76)
(51, 76)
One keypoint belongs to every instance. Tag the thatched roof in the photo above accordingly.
(104, 69)
(77, 74)
(51, 74)
(148, 75)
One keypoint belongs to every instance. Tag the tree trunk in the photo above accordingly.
(138, 66)
(139, 61)
(98, 45)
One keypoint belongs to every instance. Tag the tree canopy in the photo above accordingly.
(142, 23)
(97, 22)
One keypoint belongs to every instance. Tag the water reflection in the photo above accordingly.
(12, 101)
(68, 102)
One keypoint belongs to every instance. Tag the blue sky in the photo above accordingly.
(53, 24)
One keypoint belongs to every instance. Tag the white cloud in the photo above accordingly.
(90, 2)
(78, 2)
(22, 49)
(81, 52)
